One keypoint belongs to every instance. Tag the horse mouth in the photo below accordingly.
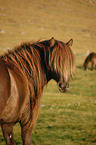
(63, 87)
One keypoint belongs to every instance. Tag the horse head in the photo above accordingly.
(62, 63)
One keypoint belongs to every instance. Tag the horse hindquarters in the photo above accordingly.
(4, 85)
(94, 63)
(12, 111)
(4, 96)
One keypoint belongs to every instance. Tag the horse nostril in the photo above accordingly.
(59, 85)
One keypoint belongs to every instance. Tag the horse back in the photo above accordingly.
(4, 85)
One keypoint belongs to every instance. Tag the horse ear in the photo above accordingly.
(70, 42)
(52, 42)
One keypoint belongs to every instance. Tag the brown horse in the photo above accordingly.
(91, 58)
(24, 72)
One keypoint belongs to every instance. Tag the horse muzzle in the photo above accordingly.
(63, 87)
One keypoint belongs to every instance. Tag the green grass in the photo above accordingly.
(69, 118)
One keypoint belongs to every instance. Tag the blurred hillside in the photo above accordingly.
(26, 20)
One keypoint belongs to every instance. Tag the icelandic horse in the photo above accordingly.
(24, 71)
(91, 58)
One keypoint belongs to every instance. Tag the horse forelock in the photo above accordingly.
(62, 60)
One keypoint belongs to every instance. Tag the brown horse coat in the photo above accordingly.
(16, 98)
(24, 72)
(4, 85)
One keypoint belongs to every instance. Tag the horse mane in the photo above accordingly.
(63, 60)
(34, 59)
(28, 59)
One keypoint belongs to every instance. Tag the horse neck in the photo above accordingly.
(40, 76)
(44, 56)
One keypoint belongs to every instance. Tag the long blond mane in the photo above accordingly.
(62, 60)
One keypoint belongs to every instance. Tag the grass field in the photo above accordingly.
(69, 118)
